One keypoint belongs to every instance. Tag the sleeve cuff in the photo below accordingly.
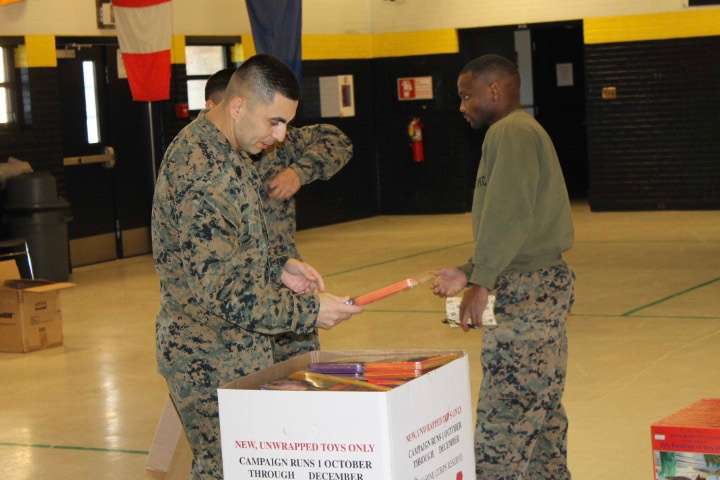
(304, 178)
(479, 275)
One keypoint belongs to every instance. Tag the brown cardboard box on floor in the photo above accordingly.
(170, 457)
(30, 316)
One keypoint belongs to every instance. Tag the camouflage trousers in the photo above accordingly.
(521, 430)
(198, 409)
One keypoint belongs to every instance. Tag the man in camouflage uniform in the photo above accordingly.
(309, 153)
(522, 224)
(225, 292)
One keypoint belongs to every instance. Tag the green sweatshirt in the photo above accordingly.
(521, 214)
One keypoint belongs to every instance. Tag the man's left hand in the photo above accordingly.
(472, 306)
(301, 277)
(284, 185)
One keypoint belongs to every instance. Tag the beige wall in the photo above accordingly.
(190, 17)
(229, 17)
(412, 15)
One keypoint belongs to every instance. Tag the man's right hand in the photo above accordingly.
(448, 282)
(334, 310)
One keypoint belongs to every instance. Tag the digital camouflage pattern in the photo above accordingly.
(521, 423)
(222, 300)
(289, 345)
(315, 152)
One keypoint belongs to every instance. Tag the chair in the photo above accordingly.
(17, 249)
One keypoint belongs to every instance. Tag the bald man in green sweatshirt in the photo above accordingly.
(522, 224)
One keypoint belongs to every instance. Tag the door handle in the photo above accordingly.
(107, 159)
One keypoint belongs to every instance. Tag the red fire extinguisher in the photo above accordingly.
(416, 141)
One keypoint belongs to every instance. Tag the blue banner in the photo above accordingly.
(277, 30)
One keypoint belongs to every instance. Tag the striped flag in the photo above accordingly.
(145, 33)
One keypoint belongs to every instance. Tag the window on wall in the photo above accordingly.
(8, 88)
(201, 61)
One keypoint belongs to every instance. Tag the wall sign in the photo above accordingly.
(564, 74)
(415, 88)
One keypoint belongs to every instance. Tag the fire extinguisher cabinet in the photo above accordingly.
(35, 212)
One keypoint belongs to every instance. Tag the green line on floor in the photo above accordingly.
(670, 297)
(572, 315)
(68, 447)
(397, 259)
(624, 316)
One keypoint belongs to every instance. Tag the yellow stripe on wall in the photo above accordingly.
(177, 49)
(661, 26)
(405, 44)
(361, 46)
(334, 47)
(248, 47)
(237, 53)
(40, 51)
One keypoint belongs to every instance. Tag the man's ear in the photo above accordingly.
(494, 89)
(237, 106)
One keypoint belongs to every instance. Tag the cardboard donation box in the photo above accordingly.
(686, 444)
(419, 430)
(30, 316)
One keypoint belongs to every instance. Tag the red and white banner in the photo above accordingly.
(145, 34)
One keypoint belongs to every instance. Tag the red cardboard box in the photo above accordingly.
(687, 443)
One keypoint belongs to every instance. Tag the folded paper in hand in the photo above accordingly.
(452, 308)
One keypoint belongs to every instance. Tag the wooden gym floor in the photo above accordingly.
(644, 338)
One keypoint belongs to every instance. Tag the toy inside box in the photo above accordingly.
(686, 444)
(30, 315)
(421, 429)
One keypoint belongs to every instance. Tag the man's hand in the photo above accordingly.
(448, 282)
(301, 277)
(472, 306)
(284, 185)
(334, 310)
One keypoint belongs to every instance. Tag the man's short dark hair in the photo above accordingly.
(491, 63)
(218, 82)
(265, 75)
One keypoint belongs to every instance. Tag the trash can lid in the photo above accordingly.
(31, 191)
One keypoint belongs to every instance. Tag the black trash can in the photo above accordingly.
(35, 212)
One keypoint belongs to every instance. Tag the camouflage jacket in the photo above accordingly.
(221, 294)
(315, 152)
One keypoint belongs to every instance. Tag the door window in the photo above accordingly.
(92, 120)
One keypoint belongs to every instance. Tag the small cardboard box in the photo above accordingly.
(30, 316)
(419, 430)
(682, 440)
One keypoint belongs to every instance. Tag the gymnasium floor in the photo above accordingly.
(644, 338)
